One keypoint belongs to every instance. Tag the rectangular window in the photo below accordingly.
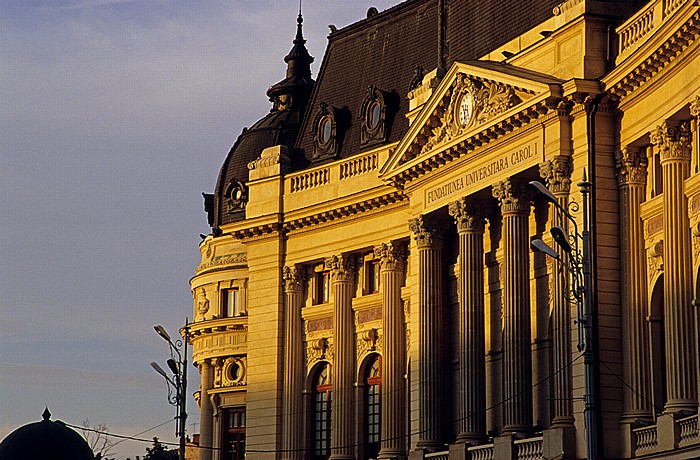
(234, 433)
(372, 277)
(231, 303)
(323, 287)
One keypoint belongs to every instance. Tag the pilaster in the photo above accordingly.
(469, 216)
(514, 200)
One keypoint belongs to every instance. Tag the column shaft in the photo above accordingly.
(428, 236)
(393, 389)
(342, 404)
(557, 173)
(206, 422)
(632, 171)
(292, 397)
(517, 358)
(472, 345)
(681, 386)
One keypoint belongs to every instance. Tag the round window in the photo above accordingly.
(324, 131)
(374, 113)
(234, 372)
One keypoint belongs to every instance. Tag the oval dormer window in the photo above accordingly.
(325, 129)
(374, 114)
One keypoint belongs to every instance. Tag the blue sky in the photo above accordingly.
(116, 115)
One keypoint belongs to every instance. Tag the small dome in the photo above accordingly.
(45, 439)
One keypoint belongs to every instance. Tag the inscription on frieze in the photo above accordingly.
(484, 173)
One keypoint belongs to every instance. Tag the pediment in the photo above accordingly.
(474, 103)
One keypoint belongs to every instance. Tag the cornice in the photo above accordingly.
(659, 51)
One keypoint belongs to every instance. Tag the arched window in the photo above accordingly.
(321, 414)
(373, 380)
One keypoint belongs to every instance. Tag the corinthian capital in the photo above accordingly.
(512, 196)
(293, 279)
(427, 232)
(391, 256)
(342, 267)
(469, 214)
(557, 173)
(673, 141)
(631, 166)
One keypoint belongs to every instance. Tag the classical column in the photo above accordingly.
(342, 269)
(206, 411)
(469, 217)
(631, 176)
(428, 236)
(557, 173)
(517, 356)
(392, 259)
(673, 142)
(293, 390)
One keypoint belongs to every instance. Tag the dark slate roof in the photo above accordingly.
(45, 439)
(384, 50)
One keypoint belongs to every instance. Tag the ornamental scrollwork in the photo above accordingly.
(557, 173)
(469, 214)
(427, 232)
(673, 141)
(512, 196)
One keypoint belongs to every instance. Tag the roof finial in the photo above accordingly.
(46, 415)
(300, 20)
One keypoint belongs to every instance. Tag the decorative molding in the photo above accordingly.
(557, 173)
(317, 350)
(427, 232)
(695, 107)
(366, 343)
(203, 303)
(655, 260)
(673, 141)
(271, 157)
(234, 372)
(469, 214)
(631, 164)
(512, 196)
(695, 232)
(374, 130)
(391, 256)
(325, 143)
(225, 259)
(293, 279)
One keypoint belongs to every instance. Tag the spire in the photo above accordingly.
(299, 60)
(46, 415)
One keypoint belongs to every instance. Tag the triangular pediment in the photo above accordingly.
(474, 101)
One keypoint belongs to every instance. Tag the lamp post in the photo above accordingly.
(578, 265)
(178, 366)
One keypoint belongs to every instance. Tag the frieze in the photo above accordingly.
(226, 259)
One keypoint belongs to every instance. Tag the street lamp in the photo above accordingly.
(178, 382)
(578, 265)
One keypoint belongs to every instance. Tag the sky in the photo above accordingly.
(115, 115)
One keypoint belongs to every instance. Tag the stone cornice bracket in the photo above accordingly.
(469, 214)
(392, 256)
(557, 173)
(512, 196)
(564, 108)
(695, 107)
(631, 164)
(427, 232)
(293, 278)
(673, 141)
(342, 267)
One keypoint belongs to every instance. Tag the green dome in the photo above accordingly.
(45, 439)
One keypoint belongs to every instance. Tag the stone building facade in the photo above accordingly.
(369, 290)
